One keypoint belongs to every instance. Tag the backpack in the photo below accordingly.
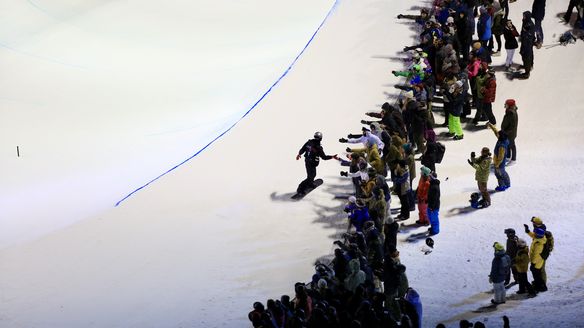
(440, 149)
(548, 247)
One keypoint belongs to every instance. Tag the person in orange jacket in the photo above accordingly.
(422, 195)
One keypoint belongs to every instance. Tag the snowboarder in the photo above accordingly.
(482, 166)
(313, 152)
(499, 268)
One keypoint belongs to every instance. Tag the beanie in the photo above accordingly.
(539, 232)
(510, 103)
(498, 247)
(425, 171)
(536, 220)
(409, 94)
(352, 199)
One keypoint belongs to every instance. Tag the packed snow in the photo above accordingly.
(102, 97)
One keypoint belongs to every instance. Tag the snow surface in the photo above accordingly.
(101, 98)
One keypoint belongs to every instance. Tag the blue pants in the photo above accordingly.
(502, 177)
(538, 31)
(434, 221)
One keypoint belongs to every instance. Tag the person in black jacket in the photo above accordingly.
(510, 34)
(434, 204)
(538, 13)
(527, 38)
(313, 152)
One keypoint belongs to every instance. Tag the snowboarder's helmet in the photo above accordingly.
(318, 135)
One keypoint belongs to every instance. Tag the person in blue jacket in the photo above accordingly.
(484, 26)
(500, 265)
(359, 216)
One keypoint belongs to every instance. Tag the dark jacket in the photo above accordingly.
(500, 266)
(538, 9)
(434, 194)
(509, 124)
(510, 34)
(313, 152)
(527, 35)
(511, 247)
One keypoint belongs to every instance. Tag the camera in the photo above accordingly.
(472, 154)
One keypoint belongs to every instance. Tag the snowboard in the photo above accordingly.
(299, 196)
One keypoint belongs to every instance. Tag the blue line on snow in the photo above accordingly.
(246, 113)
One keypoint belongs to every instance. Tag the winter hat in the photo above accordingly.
(476, 45)
(409, 94)
(539, 232)
(407, 147)
(486, 150)
(498, 247)
(352, 199)
(510, 231)
(364, 129)
(521, 242)
(536, 221)
(449, 20)
(510, 103)
(425, 171)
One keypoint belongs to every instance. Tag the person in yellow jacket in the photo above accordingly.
(371, 153)
(520, 264)
(536, 260)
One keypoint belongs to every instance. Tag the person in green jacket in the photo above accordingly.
(482, 166)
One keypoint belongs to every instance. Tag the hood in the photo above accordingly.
(354, 266)
(527, 15)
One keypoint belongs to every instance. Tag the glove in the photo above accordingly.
(298, 157)
(526, 228)
(344, 174)
(400, 16)
(349, 150)
(365, 122)
(394, 73)
(343, 140)
(335, 156)
(490, 280)
(469, 162)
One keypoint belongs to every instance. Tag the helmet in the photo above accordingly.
(318, 135)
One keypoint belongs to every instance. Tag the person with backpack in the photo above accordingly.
(536, 260)
(548, 245)
(313, 152)
(500, 265)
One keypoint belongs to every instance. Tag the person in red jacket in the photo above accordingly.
(489, 91)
